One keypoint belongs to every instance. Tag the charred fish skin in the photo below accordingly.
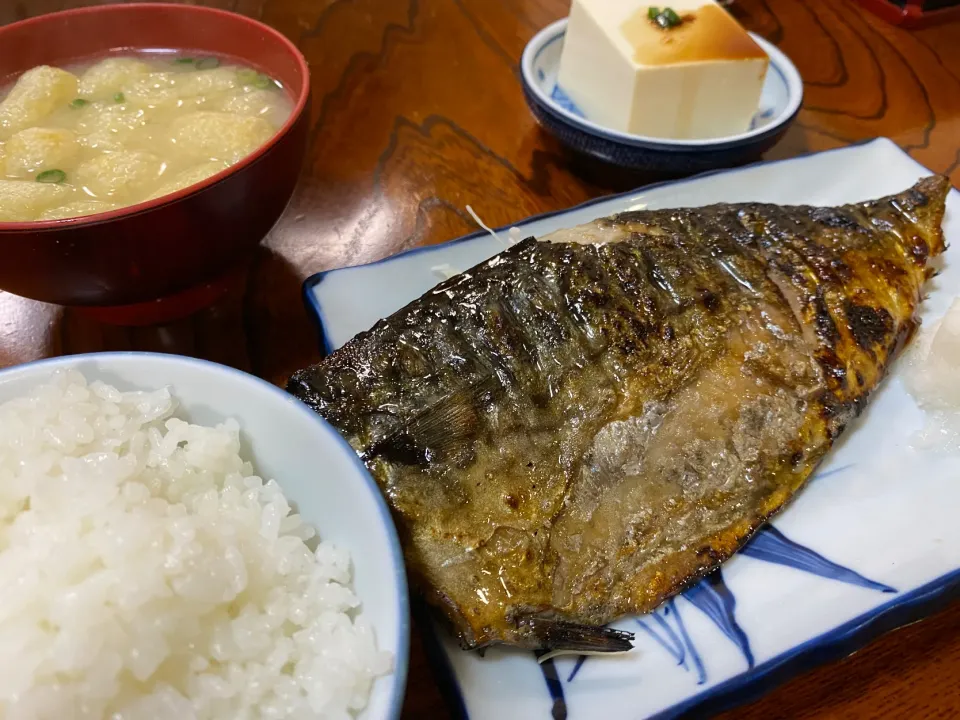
(584, 425)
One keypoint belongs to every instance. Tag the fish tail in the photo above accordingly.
(558, 635)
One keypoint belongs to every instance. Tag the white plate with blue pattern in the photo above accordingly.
(872, 543)
(779, 103)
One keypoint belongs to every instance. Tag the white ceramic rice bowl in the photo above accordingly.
(315, 467)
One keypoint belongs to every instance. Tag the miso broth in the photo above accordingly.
(103, 135)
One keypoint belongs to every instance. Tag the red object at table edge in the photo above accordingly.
(911, 14)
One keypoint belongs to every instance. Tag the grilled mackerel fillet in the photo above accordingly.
(586, 424)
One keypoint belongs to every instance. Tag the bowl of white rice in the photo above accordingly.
(180, 540)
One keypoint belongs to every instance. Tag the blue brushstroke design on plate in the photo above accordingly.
(576, 668)
(554, 687)
(714, 599)
(675, 640)
(831, 473)
(772, 546)
(656, 626)
(691, 648)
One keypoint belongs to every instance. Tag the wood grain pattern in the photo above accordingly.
(418, 112)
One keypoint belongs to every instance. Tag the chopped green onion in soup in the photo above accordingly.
(52, 176)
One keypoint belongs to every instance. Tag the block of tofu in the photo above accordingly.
(701, 79)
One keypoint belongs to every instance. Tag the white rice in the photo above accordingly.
(146, 572)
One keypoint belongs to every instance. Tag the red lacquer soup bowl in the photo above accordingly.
(156, 260)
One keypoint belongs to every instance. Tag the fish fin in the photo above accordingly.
(443, 428)
(559, 635)
(926, 201)
(448, 422)
(543, 656)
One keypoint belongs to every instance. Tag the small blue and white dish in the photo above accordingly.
(779, 105)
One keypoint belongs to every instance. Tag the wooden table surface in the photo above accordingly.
(418, 112)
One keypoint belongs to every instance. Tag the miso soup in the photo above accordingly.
(118, 131)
